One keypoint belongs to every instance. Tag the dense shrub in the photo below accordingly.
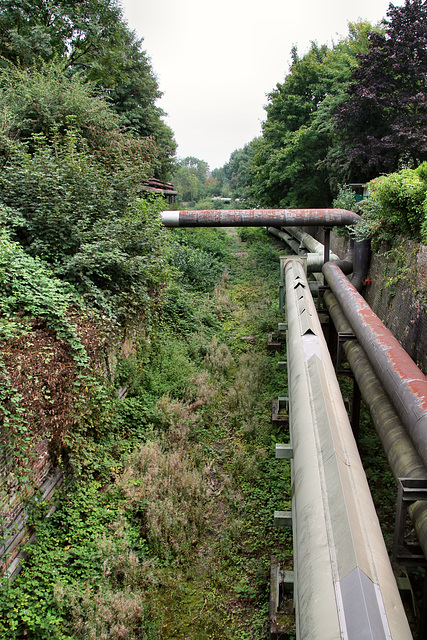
(197, 268)
(397, 205)
(84, 220)
(57, 195)
(28, 286)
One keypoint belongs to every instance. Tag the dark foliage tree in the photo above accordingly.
(384, 120)
(92, 38)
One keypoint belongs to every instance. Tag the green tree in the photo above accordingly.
(294, 165)
(41, 29)
(239, 171)
(190, 179)
(92, 38)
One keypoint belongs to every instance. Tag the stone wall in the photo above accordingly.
(398, 295)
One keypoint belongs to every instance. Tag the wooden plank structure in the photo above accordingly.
(159, 186)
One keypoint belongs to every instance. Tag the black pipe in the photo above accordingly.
(362, 257)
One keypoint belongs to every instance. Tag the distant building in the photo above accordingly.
(360, 189)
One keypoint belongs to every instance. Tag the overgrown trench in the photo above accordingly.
(222, 590)
(165, 528)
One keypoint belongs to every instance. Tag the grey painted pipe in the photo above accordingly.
(318, 248)
(345, 586)
(286, 237)
(311, 243)
(403, 381)
(260, 218)
(315, 260)
(402, 457)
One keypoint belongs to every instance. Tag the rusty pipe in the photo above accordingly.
(402, 457)
(405, 384)
(260, 218)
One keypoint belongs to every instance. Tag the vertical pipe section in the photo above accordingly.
(403, 381)
(345, 586)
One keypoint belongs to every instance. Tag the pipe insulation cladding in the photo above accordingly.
(404, 382)
(260, 218)
(401, 454)
(345, 587)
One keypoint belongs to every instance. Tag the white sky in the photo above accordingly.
(215, 62)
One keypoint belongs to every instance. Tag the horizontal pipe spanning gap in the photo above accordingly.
(259, 218)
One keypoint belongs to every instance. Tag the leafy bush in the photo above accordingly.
(170, 368)
(39, 102)
(211, 239)
(124, 260)
(57, 195)
(346, 199)
(198, 256)
(84, 220)
(197, 268)
(397, 205)
(29, 286)
(401, 196)
(83, 579)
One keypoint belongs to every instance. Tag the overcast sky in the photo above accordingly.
(217, 61)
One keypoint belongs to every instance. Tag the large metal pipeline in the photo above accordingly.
(286, 237)
(403, 381)
(315, 260)
(345, 586)
(311, 243)
(260, 218)
(403, 459)
(356, 261)
(401, 454)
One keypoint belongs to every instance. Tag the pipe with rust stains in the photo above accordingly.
(402, 457)
(260, 218)
(403, 381)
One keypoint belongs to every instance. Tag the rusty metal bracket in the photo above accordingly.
(409, 490)
(280, 582)
(342, 337)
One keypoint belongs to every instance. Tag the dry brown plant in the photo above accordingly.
(105, 614)
(170, 493)
(218, 357)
